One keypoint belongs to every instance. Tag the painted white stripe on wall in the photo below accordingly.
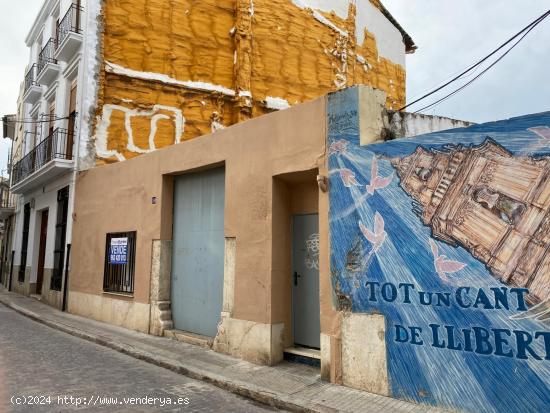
(159, 77)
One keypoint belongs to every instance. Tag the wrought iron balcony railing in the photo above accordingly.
(7, 199)
(59, 145)
(71, 23)
(30, 77)
(47, 55)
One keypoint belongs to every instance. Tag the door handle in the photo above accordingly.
(296, 276)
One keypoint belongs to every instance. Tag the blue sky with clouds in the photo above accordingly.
(450, 35)
(15, 22)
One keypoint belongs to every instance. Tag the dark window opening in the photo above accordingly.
(60, 238)
(25, 243)
(120, 257)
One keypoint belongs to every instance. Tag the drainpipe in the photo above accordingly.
(65, 288)
(11, 269)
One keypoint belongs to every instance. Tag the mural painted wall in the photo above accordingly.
(448, 236)
(175, 70)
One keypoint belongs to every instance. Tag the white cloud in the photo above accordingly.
(15, 22)
(451, 35)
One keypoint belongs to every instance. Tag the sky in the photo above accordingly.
(450, 36)
(15, 22)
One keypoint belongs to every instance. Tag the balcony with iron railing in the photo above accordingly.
(69, 33)
(48, 67)
(7, 201)
(33, 90)
(49, 159)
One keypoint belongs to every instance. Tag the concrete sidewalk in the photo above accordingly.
(287, 386)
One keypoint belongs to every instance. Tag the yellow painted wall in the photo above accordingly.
(279, 50)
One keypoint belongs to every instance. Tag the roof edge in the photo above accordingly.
(410, 46)
(39, 20)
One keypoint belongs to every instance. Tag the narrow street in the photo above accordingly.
(36, 360)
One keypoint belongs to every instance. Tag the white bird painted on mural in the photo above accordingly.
(338, 147)
(348, 178)
(377, 237)
(377, 182)
(444, 266)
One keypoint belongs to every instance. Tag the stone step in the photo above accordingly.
(190, 338)
(164, 306)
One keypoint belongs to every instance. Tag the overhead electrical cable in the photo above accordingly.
(34, 121)
(475, 78)
(521, 33)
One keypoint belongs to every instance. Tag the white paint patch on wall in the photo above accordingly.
(104, 121)
(388, 38)
(363, 61)
(339, 7)
(322, 19)
(245, 93)
(276, 103)
(160, 77)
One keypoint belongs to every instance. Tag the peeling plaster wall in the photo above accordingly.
(406, 124)
(368, 19)
(203, 66)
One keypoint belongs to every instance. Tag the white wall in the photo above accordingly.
(64, 6)
(38, 37)
(406, 124)
(388, 38)
(44, 198)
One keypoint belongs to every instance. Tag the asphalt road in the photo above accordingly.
(45, 370)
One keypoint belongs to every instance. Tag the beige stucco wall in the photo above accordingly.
(114, 310)
(288, 145)
(275, 167)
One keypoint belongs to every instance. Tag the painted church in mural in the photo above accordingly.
(494, 204)
(447, 236)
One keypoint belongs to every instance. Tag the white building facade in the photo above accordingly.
(46, 161)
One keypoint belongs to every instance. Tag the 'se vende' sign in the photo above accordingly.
(118, 253)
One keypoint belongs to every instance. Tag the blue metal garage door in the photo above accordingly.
(198, 255)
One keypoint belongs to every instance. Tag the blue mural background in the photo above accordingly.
(422, 373)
